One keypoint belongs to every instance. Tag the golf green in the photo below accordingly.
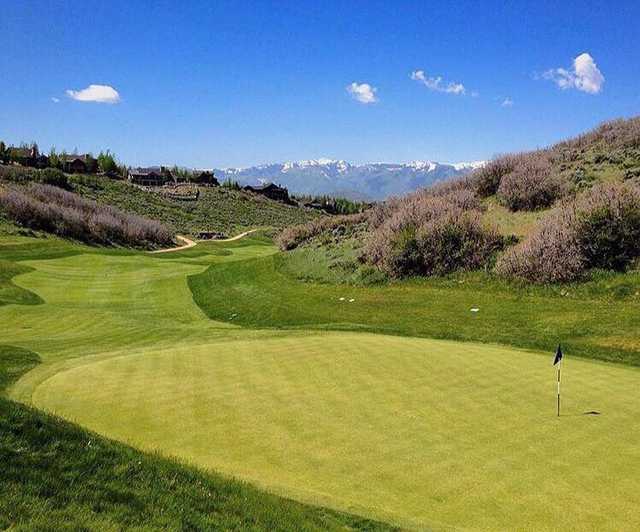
(423, 433)
(419, 432)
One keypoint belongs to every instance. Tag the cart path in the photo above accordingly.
(188, 243)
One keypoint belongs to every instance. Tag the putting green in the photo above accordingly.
(420, 432)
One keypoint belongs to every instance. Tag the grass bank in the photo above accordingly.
(599, 319)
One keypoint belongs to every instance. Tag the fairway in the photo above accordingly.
(419, 432)
(423, 433)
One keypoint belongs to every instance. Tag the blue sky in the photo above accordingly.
(224, 83)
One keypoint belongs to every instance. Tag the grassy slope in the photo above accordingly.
(600, 319)
(57, 476)
(218, 209)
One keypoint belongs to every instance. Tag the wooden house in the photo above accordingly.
(205, 178)
(154, 176)
(27, 156)
(79, 164)
(270, 190)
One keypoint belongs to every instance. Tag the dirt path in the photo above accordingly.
(188, 243)
(237, 237)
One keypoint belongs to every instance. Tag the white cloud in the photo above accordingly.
(95, 93)
(584, 76)
(55, 100)
(436, 84)
(363, 92)
(507, 102)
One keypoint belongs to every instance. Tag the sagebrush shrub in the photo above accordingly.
(291, 237)
(487, 178)
(598, 229)
(550, 254)
(456, 241)
(431, 235)
(54, 177)
(51, 209)
(608, 137)
(609, 225)
(532, 184)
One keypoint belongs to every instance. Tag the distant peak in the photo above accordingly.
(322, 161)
(428, 166)
(469, 165)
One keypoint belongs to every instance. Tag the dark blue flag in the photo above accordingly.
(559, 355)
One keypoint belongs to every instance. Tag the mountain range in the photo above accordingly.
(372, 181)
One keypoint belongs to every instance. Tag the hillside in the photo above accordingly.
(372, 181)
(549, 216)
(217, 208)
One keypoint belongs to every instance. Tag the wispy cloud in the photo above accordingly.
(362, 92)
(436, 84)
(507, 102)
(95, 93)
(55, 100)
(584, 76)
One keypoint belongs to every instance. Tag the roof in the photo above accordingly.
(84, 157)
(266, 186)
(148, 171)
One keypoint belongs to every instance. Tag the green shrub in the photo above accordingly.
(18, 174)
(54, 177)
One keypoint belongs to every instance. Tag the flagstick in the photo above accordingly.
(559, 366)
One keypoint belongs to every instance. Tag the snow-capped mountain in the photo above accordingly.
(373, 181)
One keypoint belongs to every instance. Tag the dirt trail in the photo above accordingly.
(237, 237)
(188, 243)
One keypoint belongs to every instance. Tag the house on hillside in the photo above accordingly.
(154, 176)
(270, 190)
(79, 164)
(205, 177)
(27, 156)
